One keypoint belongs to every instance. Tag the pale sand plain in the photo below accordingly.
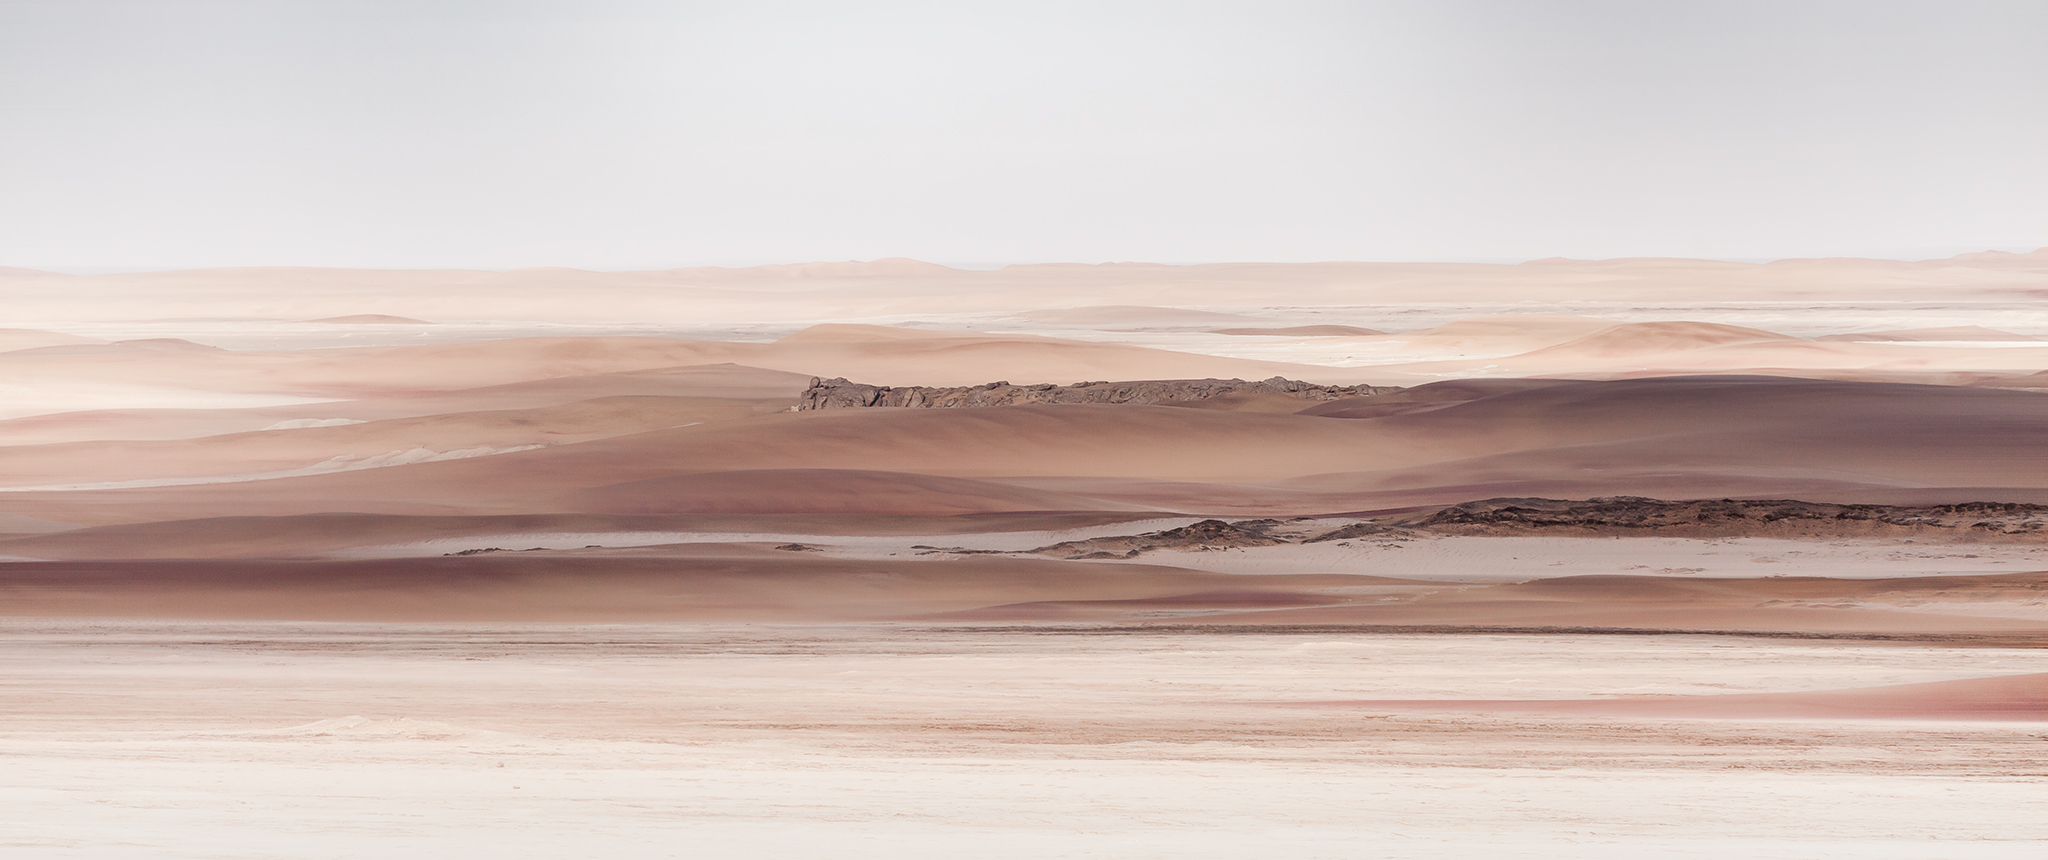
(131, 739)
(431, 580)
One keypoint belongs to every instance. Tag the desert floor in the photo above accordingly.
(150, 739)
(1627, 558)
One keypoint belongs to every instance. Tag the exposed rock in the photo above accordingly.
(797, 547)
(842, 394)
(1204, 535)
(1731, 517)
(1355, 530)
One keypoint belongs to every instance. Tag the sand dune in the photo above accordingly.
(772, 390)
(1945, 333)
(1118, 316)
(1826, 359)
(553, 453)
(702, 582)
(765, 582)
(1303, 331)
(1666, 438)
(239, 454)
(1500, 335)
(1637, 339)
(2012, 697)
(1802, 605)
(821, 491)
(874, 354)
(371, 319)
(12, 339)
(329, 535)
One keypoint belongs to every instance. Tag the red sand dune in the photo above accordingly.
(1669, 437)
(2011, 697)
(327, 534)
(821, 491)
(870, 353)
(702, 582)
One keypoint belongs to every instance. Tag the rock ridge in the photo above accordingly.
(840, 393)
(1736, 517)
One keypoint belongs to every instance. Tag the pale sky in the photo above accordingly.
(619, 135)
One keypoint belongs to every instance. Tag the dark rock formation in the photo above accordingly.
(1731, 517)
(842, 394)
(1207, 534)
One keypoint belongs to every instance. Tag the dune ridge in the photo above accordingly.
(2013, 697)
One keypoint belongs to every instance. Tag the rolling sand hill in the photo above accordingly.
(286, 570)
(1666, 437)
(2020, 697)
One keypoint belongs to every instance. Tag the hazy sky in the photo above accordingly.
(614, 135)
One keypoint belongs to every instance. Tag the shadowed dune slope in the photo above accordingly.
(1434, 395)
(1714, 436)
(329, 534)
(1667, 438)
(701, 582)
(2012, 697)
(821, 491)
(872, 353)
(1945, 333)
(1899, 607)
(756, 582)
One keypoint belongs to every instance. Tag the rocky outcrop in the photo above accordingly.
(1204, 535)
(1732, 517)
(843, 394)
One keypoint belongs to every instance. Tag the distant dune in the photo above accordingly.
(1303, 331)
(821, 491)
(2016, 697)
(371, 319)
(1949, 333)
(1130, 315)
(21, 338)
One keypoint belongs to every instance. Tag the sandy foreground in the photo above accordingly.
(141, 739)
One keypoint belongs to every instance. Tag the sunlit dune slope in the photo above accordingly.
(1638, 339)
(772, 389)
(445, 436)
